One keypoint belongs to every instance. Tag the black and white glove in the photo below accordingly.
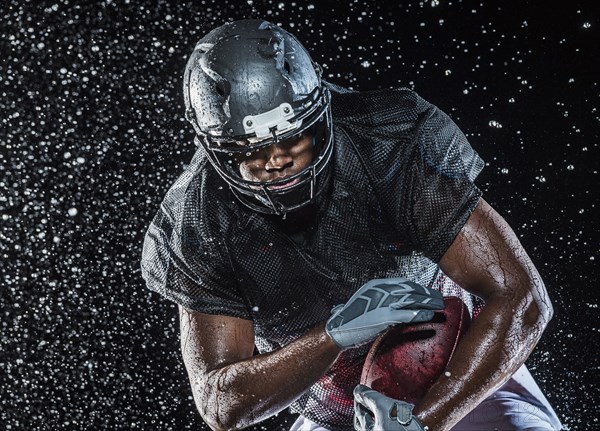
(373, 411)
(379, 304)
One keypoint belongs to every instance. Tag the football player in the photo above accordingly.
(310, 219)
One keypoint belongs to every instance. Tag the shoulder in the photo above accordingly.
(195, 210)
(394, 128)
(382, 127)
(382, 124)
(198, 189)
(378, 108)
(184, 256)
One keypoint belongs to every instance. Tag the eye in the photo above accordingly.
(293, 140)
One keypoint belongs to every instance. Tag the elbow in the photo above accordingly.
(539, 311)
(217, 424)
(217, 409)
(545, 306)
(217, 420)
(549, 311)
(222, 422)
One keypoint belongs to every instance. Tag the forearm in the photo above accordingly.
(487, 259)
(497, 344)
(246, 392)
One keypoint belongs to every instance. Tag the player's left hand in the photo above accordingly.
(373, 411)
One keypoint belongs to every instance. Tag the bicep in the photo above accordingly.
(487, 259)
(210, 342)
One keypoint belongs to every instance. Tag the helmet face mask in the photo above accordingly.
(249, 85)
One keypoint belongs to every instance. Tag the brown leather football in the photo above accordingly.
(406, 360)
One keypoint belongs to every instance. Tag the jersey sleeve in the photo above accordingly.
(440, 193)
(184, 262)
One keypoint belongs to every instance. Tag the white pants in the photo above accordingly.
(518, 405)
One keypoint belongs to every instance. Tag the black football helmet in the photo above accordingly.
(250, 84)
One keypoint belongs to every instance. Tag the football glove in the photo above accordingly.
(373, 411)
(379, 304)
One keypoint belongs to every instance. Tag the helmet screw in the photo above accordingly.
(286, 110)
(249, 123)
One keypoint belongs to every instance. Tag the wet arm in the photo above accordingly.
(233, 389)
(487, 260)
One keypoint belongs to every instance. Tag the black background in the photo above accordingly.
(92, 134)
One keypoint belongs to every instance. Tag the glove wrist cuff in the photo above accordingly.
(332, 338)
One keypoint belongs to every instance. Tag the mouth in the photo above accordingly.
(285, 185)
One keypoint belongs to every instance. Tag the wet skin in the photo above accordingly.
(234, 388)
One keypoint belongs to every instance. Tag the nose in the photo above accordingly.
(278, 158)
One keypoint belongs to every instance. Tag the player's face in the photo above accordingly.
(278, 161)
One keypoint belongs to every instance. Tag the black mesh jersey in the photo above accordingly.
(400, 191)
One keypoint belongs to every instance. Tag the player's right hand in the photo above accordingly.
(379, 304)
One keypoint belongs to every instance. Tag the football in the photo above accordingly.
(406, 360)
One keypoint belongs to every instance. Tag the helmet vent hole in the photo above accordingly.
(287, 66)
(220, 89)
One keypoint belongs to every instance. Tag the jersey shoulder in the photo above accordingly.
(419, 162)
(187, 226)
(394, 128)
(195, 195)
(184, 256)
(377, 108)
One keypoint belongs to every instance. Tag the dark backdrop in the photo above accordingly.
(92, 135)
